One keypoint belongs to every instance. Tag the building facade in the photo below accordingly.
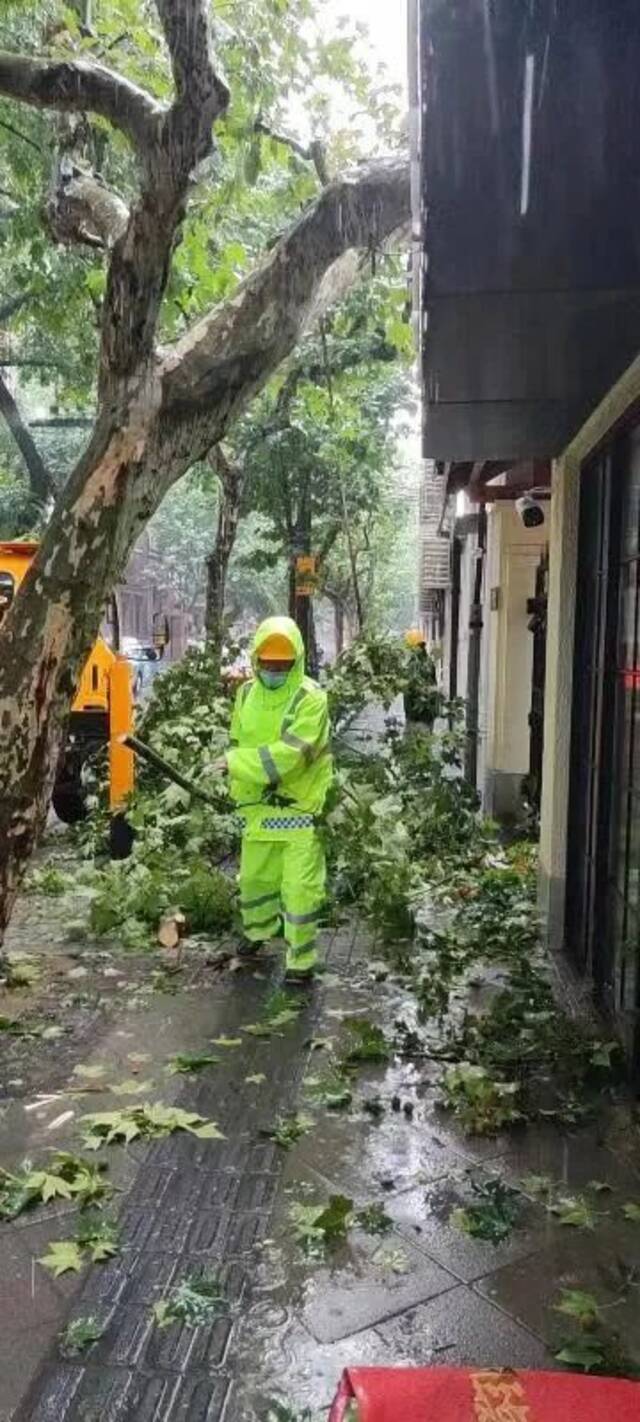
(526, 207)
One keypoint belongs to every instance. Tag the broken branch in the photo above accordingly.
(42, 484)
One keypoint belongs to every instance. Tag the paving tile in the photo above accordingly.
(293, 1367)
(52, 1395)
(596, 1263)
(376, 1279)
(460, 1328)
(200, 1400)
(23, 1348)
(24, 1284)
(358, 1155)
(422, 1215)
(571, 1159)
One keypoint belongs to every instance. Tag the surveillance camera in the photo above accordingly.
(530, 511)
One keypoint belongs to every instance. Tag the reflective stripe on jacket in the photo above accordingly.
(279, 743)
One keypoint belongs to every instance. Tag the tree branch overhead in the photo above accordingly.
(75, 86)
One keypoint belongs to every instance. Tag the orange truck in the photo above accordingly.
(102, 711)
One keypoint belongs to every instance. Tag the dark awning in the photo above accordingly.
(531, 199)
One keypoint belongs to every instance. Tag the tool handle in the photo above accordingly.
(153, 758)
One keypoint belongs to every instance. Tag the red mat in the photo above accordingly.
(478, 1395)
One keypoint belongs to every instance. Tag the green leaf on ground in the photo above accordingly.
(494, 1216)
(600, 1187)
(186, 1062)
(583, 1353)
(281, 1412)
(79, 1335)
(540, 1186)
(198, 1299)
(147, 1121)
(330, 1091)
(316, 1227)
(227, 1041)
(281, 1009)
(579, 1305)
(395, 1261)
(288, 1129)
(373, 1219)
(574, 1211)
(131, 1087)
(89, 1073)
(22, 970)
(64, 1256)
(367, 1042)
(631, 1211)
(256, 1078)
(67, 1177)
(99, 1237)
(483, 1105)
(602, 1054)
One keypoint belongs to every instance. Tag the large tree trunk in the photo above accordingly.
(158, 412)
(231, 478)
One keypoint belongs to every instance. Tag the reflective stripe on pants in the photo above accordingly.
(284, 879)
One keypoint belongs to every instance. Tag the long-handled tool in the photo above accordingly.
(151, 756)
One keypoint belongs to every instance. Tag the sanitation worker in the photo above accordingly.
(422, 700)
(280, 770)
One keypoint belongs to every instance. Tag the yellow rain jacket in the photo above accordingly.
(280, 769)
(280, 764)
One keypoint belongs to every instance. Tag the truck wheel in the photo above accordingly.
(121, 836)
(69, 802)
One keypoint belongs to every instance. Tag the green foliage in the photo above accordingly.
(289, 1129)
(281, 1009)
(493, 1216)
(78, 1336)
(574, 1211)
(482, 1105)
(317, 1227)
(128, 898)
(373, 1219)
(330, 1091)
(272, 53)
(68, 1177)
(147, 1122)
(198, 1299)
(579, 1305)
(188, 1063)
(281, 1412)
(366, 1043)
(64, 1256)
(374, 668)
(48, 880)
(318, 446)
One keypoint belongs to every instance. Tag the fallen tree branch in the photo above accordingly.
(42, 484)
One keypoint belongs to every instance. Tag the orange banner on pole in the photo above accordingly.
(306, 574)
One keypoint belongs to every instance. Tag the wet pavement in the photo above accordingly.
(421, 1292)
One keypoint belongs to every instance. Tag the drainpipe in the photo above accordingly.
(473, 664)
(456, 553)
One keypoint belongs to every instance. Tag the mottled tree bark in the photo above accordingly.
(158, 412)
